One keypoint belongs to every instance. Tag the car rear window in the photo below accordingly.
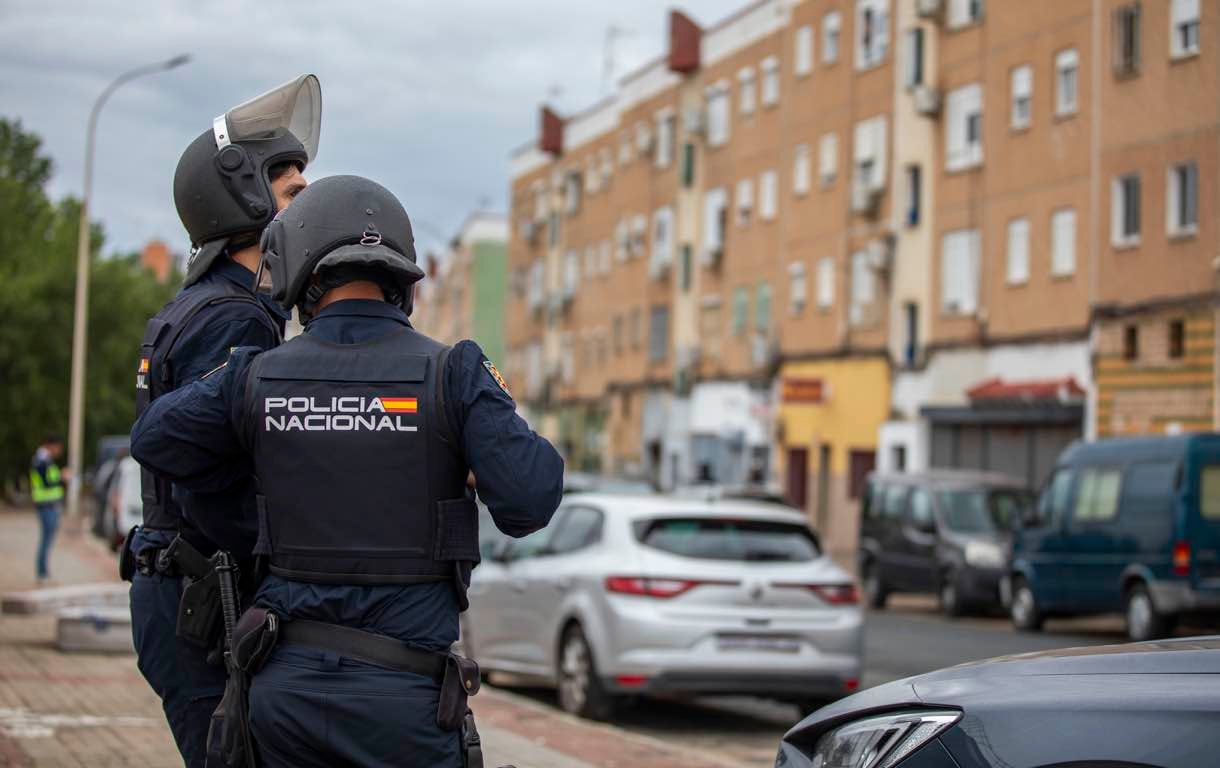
(1209, 501)
(719, 539)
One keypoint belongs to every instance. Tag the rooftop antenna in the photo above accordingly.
(613, 34)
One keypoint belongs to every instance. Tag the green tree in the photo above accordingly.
(37, 285)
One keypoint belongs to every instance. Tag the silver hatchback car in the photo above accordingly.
(626, 595)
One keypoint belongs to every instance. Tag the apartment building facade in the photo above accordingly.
(463, 296)
(827, 235)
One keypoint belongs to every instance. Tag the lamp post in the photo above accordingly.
(76, 413)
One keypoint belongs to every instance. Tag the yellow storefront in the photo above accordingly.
(828, 419)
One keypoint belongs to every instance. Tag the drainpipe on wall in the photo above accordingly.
(1090, 407)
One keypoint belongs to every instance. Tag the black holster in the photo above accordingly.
(230, 744)
(472, 745)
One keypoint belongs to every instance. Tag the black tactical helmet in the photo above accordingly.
(222, 187)
(341, 226)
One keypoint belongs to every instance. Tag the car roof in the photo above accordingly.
(1123, 449)
(956, 478)
(637, 506)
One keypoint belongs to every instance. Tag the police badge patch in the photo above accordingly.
(495, 374)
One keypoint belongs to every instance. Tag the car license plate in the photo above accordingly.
(757, 643)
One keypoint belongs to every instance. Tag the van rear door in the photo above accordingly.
(1201, 520)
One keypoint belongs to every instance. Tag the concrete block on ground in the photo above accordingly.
(94, 630)
(104, 594)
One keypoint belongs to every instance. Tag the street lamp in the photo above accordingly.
(76, 413)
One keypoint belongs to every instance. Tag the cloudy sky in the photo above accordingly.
(426, 97)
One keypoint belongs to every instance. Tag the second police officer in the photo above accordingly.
(362, 433)
(228, 184)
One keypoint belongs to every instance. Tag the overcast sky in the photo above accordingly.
(426, 97)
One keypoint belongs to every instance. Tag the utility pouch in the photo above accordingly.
(199, 617)
(127, 558)
(254, 639)
(461, 681)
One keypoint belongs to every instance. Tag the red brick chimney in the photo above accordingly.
(550, 137)
(156, 257)
(685, 37)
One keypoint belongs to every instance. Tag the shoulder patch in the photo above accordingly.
(218, 368)
(497, 377)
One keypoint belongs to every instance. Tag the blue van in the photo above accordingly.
(1128, 525)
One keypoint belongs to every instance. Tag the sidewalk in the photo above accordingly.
(62, 710)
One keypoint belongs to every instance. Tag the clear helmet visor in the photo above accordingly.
(294, 107)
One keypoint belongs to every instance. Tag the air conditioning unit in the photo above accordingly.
(865, 200)
(659, 269)
(712, 257)
(927, 100)
(694, 120)
(880, 255)
(532, 231)
(929, 9)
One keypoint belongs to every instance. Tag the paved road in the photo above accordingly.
(909, 639)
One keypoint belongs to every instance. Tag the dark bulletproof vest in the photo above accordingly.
(360, 477)
(155, 377)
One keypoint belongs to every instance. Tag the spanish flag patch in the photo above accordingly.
(400, 404)
(495, 374)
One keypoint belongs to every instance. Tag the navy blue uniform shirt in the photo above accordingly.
(191, 436)
(226, 516)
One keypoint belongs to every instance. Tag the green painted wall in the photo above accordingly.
(490, 276)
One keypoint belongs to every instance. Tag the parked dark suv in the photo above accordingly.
(945, 532)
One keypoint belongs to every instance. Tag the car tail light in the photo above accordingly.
(662, 588)
(851, 684)
(631, 681)
(1181, 558)
(834, 594)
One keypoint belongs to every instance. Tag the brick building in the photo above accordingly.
(824, 235)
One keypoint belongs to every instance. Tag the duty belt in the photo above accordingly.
(153, 561)
(364, 646)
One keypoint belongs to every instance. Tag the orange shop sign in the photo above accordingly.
(803, 391)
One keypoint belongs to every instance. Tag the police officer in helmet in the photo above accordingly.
(362, 433)
(229, 183)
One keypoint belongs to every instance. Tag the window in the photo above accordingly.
(741, 310)
(872, 32)
(1063, 242)
(622, 240)
(625, 150)
(960, 272)
(895, 502)
(963, 134)
(1097, 496)
(1125, 210)
(593, 176)
(1053, 503)
(963, 13)
(580, 528)
(1184, 28)
(710, 327)
(826, 282)
(1018, 252)
(715, 223)
(1177, 339)
(802, 55)
(662, 240)
(686, 266)
(1131, 342)
(635, 328)
(643, 138)
(797, 288)
(869, 153)
(1209, 491)
(616, 334)
(571, 193)
(688, 165)
(665, 139)
(831, 27)
(571, 273)
(913, 67)
(639, 231)
(745, 541)
(1182, 199)
(770, 81)
(1067, 65)
(921, 508)
(1022, 85)
(862, 290)
(914, 193)
(910, 351)
(762, 307)
(745, 201)
(658, 334)
(718, 114)
(1126, 45)
(828, 158)
(768, 194)
(801, 170)
(746, 90)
